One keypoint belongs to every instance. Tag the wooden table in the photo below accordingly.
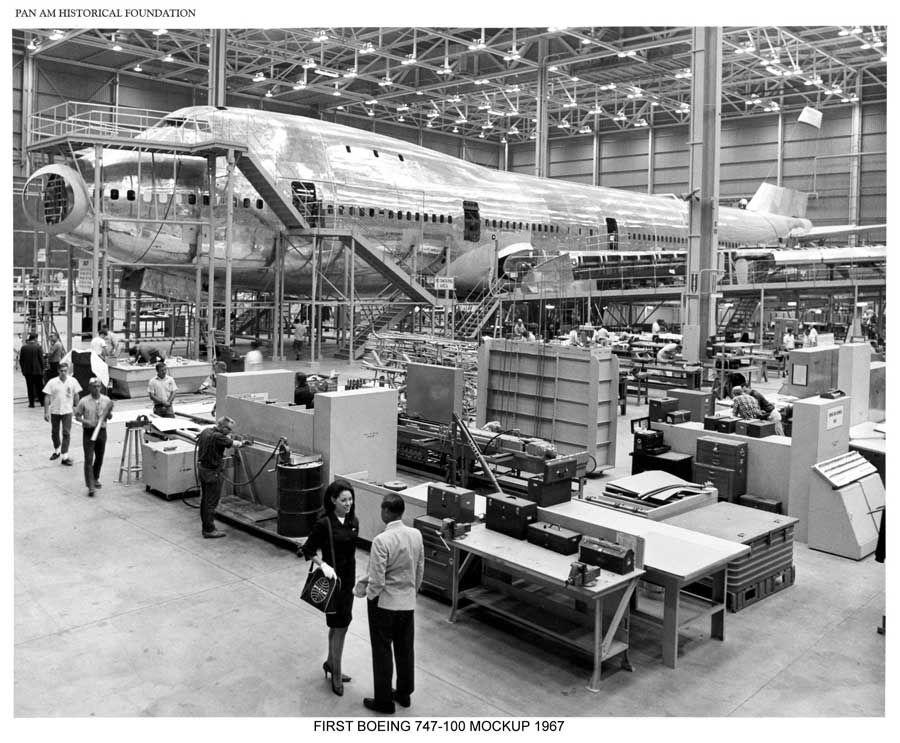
(540, 581)
(673, 558)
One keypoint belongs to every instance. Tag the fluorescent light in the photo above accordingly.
(169, 58)
(326, 72)
(402, 107)
(259, 77)
(159, 32)
(552, 68)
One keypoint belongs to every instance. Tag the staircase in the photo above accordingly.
(473, 323)
(389, 269)
(387, 318)
(739, 315)
(278, 201)
(244, 323)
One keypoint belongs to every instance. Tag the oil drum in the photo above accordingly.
(300, 491)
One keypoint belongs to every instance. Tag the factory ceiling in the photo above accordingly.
(483, 82)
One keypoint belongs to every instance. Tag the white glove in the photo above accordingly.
(327, 570)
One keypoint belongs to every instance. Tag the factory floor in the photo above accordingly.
(123, 610)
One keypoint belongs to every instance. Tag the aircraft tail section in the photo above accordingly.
(785, 202)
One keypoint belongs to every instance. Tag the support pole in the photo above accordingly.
(229, 241)
(698, 305)
(314, 329)
(217, 49)
(350, 308)
(211, 281)
(95, 262)
(70, 295)
(198, 298)
(541, 142)
(762, 316)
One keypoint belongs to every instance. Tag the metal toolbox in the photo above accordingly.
(608, 555)
(645, 440)
(678, 416)
(450, 502)
(728, 482)
(756, 429)
(553, 537)
(510, 515)
(549, 494)
(726, 424)
(722, 453)
(763, 504)
(660, 406)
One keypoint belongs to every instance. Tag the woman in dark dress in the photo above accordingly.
(340, 511)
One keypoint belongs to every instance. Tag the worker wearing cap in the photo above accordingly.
(211, 445)
(162, 389)
(93, 411)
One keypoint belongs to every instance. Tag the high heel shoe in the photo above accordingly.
(339, 690)
(326, 666)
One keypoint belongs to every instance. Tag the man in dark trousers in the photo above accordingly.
(396, 567)
(93, 411)
(211, 446)
(54, 356)
(31, 362)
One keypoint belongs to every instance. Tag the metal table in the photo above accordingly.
(544, 573)
(673, 559)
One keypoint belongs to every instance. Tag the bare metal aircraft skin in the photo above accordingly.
(432, 213)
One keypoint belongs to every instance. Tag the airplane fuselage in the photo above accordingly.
(430, 212)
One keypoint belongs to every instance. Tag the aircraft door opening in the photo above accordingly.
(305, 200)
(471, 222)
(612, 233)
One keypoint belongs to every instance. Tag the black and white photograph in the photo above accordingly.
(447, 380)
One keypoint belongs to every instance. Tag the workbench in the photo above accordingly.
(539, 598)
(673, 559)
(131, 380)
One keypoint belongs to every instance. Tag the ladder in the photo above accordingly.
(740, 314)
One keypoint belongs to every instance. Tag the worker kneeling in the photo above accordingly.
(752, 405)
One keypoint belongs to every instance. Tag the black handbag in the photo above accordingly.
(319, 591)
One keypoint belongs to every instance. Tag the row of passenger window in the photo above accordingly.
(675, 240)
(114, 194)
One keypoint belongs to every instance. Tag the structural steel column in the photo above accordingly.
(855, 160)
(28, 66)
(217, 47)
(779, 154)
(229, 238)
(313, 319)
(198, 298)
(651, 156)
(698, 307)
(542, 142)
(595, 158)
(70, 293)
(95, 262)
(211, 281)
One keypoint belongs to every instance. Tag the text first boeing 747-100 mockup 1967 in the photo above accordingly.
(429, 213)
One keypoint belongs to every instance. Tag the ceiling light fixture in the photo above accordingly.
(160, 32)
(408, 59)
(445, 70)
(477, 44)
(32, 45)
(169, 58)
(456, 130)
(385, 81)
(320, 37)
(259, 77)
(56, 35)
(138, 68)
(309, 63)
(326, 72)
(401, 118)
(269, 93)
(351, 72)
(337, 90)
(584, 129)
(367, 48)
(116, 46)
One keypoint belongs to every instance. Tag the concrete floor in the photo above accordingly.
(122, 610)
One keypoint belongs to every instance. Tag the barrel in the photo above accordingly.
(299, 497)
